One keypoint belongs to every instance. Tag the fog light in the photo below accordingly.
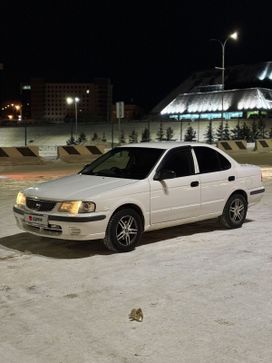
(75, 231)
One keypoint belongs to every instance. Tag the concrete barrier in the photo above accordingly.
(48, 152)
(20, 155)
(263, 145)
(78, 153)
(231, 146)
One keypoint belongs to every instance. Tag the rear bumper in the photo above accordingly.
(255, 195)
(257, 191)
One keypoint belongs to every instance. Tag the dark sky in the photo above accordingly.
(146, 47)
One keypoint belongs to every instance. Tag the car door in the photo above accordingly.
(178, 196)
(217, 179)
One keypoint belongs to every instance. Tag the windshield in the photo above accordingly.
(125, 162)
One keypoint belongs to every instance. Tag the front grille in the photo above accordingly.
(46, 231)
(40, 205)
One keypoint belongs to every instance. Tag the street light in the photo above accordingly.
(233, 36)
(73, 100)
(20, 119)
(19, 109)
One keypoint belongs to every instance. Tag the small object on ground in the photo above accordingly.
(136, 314)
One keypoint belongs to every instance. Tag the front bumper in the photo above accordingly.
(87, 227)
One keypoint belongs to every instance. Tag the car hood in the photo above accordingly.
(76, 187)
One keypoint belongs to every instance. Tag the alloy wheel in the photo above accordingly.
(237, 211)
(126, 230)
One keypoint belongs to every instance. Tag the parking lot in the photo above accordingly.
(205, 292)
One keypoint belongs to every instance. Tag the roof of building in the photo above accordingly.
(236, 78)
(231, 100)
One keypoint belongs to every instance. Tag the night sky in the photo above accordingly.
(146, 47)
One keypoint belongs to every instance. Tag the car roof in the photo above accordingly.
(168, 145)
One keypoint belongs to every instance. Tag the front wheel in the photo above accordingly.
(124, 231)
(235, 211)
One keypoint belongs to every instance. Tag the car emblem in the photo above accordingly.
(37, 206)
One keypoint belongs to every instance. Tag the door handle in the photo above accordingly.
(231, 178)
(194, 184)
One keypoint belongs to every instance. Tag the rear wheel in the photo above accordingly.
(124, 231)
(235, 211)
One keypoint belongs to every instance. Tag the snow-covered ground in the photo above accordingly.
(205, 292)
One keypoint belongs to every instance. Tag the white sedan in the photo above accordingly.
(141, 187)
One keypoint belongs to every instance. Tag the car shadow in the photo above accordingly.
(27, 243)
(183, 231)
(180, 231)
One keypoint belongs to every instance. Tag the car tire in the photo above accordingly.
(124, 230)
(235, 211)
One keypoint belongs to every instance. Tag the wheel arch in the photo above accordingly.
(133, 206)
(241, 192)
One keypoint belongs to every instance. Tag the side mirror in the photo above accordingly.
(164, 174)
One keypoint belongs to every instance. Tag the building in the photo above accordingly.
(248, 92)
(235, 103)
(49, 100)
(25, 93)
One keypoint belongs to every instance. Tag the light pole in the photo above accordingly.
(73, 100)
(233, 36)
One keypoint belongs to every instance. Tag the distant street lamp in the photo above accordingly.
(73, 100)
(19, 108)
(233, 36)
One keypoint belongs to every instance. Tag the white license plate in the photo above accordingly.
(36, 220)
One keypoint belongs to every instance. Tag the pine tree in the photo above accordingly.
(104, 137)
(209, 134)
(226, 132)
(261, 127)
(254, 132)
(219, 132)
(133, 137)
(190, 134)
(236, 132)
(169, 133)
(82, 138)
(160, 133)
(145, 135)
(95, 137)
(71, 141)
(245, 132)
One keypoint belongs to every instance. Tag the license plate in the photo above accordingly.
(36, 220)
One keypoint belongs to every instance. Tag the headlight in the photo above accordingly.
(76, 207)
(86, 207)
(21, 199)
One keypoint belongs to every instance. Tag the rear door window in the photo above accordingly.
(210, 160)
